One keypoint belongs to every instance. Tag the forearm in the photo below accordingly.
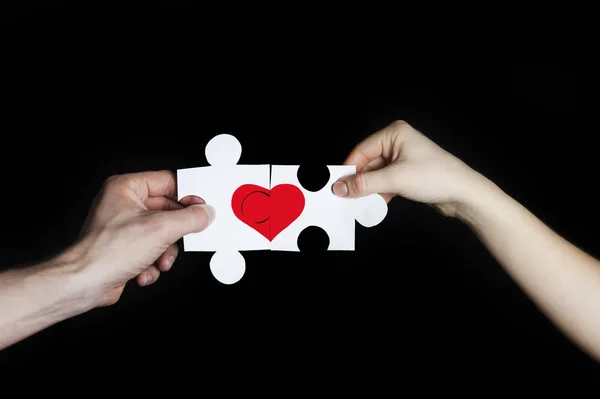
(562, 280)
(37, 297)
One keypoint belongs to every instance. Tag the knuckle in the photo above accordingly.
(117, 182)
(399, 124)
(111, 180)
(401, 127)
(394, 130)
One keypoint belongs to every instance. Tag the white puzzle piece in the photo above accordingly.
(323, 208)
(254, 203)
(216, 184)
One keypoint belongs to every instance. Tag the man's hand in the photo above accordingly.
(399, 160)
(132, 231)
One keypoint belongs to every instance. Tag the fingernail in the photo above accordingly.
(340, 188)
(170, 262)
(146, 280)
(212, 212)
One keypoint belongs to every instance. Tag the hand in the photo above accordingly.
(399, 160)
(132, 231)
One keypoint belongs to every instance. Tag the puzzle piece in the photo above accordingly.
(227, 235)
(339, 220)
(256, 211)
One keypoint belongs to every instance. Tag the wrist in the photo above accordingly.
(480, 195)
(36, 297)
(61, 286)
(82, 294)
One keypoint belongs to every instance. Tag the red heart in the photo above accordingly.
(268, 211)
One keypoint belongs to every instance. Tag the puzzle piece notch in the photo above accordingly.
(313, 240)
(313, 176)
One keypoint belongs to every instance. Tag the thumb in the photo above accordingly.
(363, 183)
(175, 224)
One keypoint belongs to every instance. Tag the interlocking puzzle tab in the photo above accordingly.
(262, 209)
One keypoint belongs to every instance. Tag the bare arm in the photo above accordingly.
(562, 280)
(37, 297)
(131, 233)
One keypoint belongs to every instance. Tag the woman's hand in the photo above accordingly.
(399, 160)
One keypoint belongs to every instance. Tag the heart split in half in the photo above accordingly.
(268, 212)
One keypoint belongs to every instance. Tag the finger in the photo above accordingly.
(366, 151)
(167, 259)
(385, 143)
(191, 200)
(162, 204)
(364, 183)
(387, 197)
(374, 164)
(377, 164)
(172, 225)
(161, 183)
(148, 276)
(168, 204)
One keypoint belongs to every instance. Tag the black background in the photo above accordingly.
(91, 93)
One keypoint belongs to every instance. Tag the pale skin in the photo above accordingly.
(131, 233)
(137, 220)
(562, 280)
